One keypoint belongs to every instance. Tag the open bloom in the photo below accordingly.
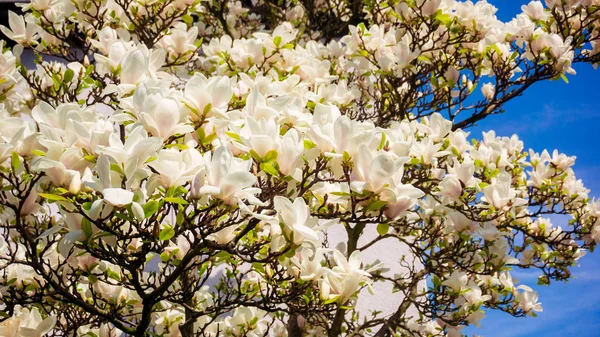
(375, 169)
(161, 115)
(298, 225)
(27, 323)
(203, 94)
(457, 281)
(20, 31)
(175, 168)
(345, 278)
(226, 178)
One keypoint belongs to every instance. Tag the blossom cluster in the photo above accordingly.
(182, 171)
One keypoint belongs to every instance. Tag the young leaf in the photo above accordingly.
(166, 233)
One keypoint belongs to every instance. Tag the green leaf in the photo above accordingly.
(376, 205)
(271, 156)
(124, 217)
(341, 194)
(179, 147)
(53, 197)
(235, 136)
(187, 19)
(178, 201)
(207, 109)
(113, 275)
(443, 18)
(57, 81)
(423, 58)
(383, 228)
(166, 233)
(69, 74)
(277, 41)
(436, 281)
(150, 208)
(362, 28)
(308, 144)
(331, 300)
(38, 153)
(258, 267)
(92, 278)
(255, 156)
(116, 168)
(61, 191)
(383, 141)
(269, 169)
(180, 218)
(15, 161)
(86, 226)
(165, 257)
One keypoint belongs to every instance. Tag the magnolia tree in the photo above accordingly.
(180, 170)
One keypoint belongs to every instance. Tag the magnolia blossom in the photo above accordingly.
(20, 30)
(27, 322)
(298, 226)
(226, 168)
(225, 178)
(345, 279)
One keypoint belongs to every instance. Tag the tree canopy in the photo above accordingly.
(180, 167)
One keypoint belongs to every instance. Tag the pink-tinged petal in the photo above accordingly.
(166, 116)
(342, 131)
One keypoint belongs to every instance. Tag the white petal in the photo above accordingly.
(221, 92)
(134, 67)
(67, 241)
(236, 181)
(138, 211)
(285, 210)
(44, 113)
(117, 197)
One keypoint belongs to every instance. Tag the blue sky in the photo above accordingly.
(555, 115)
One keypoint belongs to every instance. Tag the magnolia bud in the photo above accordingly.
(488, 91)
(452, 74)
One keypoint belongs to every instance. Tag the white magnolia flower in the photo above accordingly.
(161, 115)
(298, 225)
(203, 94)
(20, 31)
(133, 154)
(500, 193)
(27, 323)
(345, 279)
(309, 264)
(175, 168)
(225, 178)
(457, 281)
(528, 300)
(375, 169)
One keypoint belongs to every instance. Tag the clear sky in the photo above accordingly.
(555, 115)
